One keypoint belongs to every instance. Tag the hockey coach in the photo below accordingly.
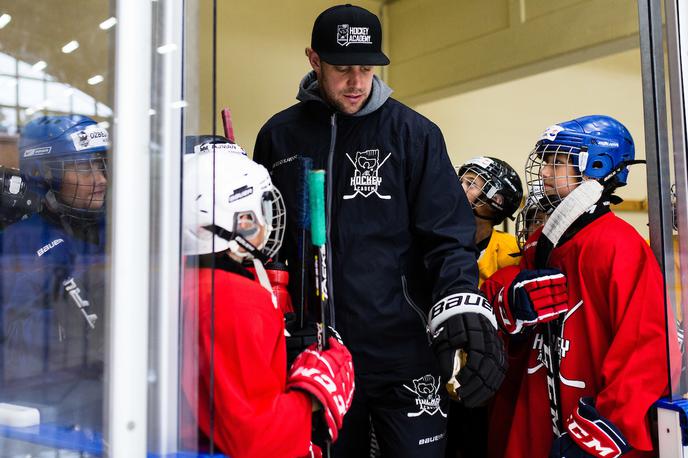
(402, 270)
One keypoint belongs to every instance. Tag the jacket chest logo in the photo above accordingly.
(367, 179)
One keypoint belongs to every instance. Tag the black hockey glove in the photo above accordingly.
(589, 434)
(465, 341)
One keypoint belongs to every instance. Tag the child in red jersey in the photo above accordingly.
(235, 377)
(583, 313)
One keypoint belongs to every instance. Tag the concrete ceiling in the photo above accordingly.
(39, 29)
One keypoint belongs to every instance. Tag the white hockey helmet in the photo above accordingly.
(241, 191)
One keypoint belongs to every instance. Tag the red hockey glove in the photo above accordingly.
(588, 434)
(314, 452)
(329, 376)
(465, 322)
(535, 296)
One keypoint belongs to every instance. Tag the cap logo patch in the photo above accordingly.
(551, 132)
(347, 35)
(91, 137)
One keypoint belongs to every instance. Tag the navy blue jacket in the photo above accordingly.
(400, 229)
(51, 356)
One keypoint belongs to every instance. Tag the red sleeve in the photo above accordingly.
(634, 370)
(498, 280)
(254, 415)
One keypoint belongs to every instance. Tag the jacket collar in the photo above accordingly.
(310, 91)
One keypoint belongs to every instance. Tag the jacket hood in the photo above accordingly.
(310, 91)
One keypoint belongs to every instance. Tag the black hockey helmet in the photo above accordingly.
(500, 179)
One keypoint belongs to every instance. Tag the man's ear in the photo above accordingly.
(314, 60)
(498, 198)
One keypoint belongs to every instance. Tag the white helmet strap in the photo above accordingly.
(236, 241)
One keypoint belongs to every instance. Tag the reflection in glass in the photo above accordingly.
(30, 93)
(58, 97)
(8, 120)
(83, 104)
(53, 274)
(30, 70)
(8, 93)
(7, 65)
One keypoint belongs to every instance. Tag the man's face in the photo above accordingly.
(84, 184)
(346, 87)
(559, 176)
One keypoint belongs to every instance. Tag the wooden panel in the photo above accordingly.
(417, 27)
(560, 33)
(537, 8)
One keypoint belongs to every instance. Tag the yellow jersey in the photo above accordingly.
(498, 254)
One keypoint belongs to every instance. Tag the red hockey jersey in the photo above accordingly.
(254, 415)
(613, 347)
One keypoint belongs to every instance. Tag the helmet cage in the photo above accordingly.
(73, 185)
(275, 216)
(528, 220)
(485, 190)
(247, 224)
(501, 189)
(546, 154)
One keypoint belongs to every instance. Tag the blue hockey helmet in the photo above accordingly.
(599, 147)
(66, 156)
(603, 144)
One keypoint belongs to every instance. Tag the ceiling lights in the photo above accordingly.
(4, 20)
(70, 47)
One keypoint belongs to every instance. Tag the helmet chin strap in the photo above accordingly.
(236, 243)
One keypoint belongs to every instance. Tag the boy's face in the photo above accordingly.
(558, 174)
(84, 184)
(538, 219)
(248, 226)
(473, 185)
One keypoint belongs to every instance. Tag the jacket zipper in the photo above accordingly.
(328, 222)
(413, 305)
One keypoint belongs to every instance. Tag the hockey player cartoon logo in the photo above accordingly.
(343, 34)
(426, 389)
(83, 139)
(367, 179)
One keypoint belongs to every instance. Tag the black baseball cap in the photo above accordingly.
(348, 35)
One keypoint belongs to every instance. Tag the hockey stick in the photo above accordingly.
(566, 213)
(303, 216)
(316, 192)
(227, 124)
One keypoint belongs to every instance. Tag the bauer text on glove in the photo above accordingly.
(465, 323)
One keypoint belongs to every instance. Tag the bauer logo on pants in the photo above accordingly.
(426, 390)
(367, 179)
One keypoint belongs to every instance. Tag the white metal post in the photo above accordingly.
(127, 364)
(167, 150)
